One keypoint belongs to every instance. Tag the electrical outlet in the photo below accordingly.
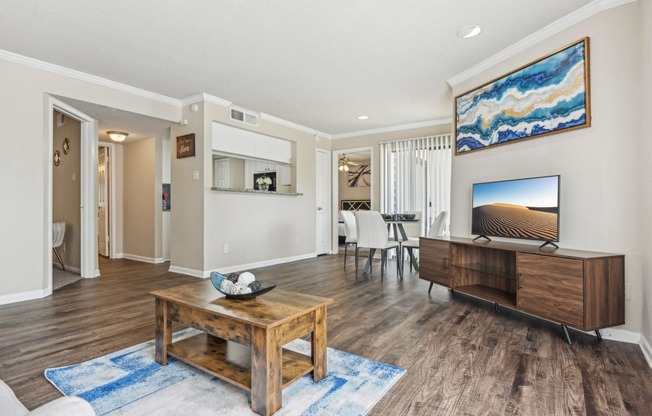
(628, 291)
(195, 175)
(226, 249)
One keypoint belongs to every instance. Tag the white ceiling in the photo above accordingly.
(320, 64)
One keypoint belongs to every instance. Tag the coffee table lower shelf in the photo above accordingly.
(231, 362)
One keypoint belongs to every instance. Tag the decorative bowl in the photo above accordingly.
(251, 295)
(409, 216)
(217, 278)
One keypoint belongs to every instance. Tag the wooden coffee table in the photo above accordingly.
(242, 340)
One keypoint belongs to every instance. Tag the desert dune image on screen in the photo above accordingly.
(524, 208)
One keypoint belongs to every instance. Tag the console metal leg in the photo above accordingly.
(566, 335)
(598, 334)
(430, 288)
(496, 307)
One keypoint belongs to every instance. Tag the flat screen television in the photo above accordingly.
(518, 208)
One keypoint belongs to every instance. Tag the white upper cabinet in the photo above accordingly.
(247, 143)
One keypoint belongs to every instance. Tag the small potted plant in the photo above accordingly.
(263, 183)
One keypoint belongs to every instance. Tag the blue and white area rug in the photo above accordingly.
(130, 382)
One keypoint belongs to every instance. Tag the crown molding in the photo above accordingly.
(546, 32)
(400, 127)
(205, 97)
(295, 126)
(82, 76)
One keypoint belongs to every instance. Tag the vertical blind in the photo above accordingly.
(416, 177)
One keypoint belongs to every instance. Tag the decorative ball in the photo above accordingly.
(238, 288)
(227, 286)
(246, 278)
(246, 290)
(233, 277)
(255, 286)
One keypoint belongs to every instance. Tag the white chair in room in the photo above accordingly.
(437, 229)
(372, 234)
(58, 232)
(351, 233)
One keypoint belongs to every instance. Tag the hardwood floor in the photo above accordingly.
(461, 357)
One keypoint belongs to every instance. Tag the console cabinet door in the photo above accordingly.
(551, 287)
(434, 261)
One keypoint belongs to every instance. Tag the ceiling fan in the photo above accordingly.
(344, 163)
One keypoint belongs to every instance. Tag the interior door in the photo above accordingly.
(102, 202)
(323, 203)
(222, 173)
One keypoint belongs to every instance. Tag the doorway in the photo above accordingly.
(106, 202)
(87, 180)
(352, 184)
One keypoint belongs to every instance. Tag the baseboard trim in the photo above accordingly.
(153, 260)
(247, 266)
(187, 271)
(24, 296)
(621, 335)
(647, 350)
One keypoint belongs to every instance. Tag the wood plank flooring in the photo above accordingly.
(461, 357)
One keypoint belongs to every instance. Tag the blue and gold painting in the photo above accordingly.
(544, 97)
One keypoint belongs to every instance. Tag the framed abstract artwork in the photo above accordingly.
(360, 176)
(547, 96)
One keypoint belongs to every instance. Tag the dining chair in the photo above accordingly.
(58, 232)
(437, 229)
(350, 232)
(372, 234)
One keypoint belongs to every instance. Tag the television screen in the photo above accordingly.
(518, 208)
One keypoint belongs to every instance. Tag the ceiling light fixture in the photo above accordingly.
(343, 164)
(117, 136)
(469, 31)
(363, 117)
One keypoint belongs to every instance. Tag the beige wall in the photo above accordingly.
(645, 143)
(256, 227)
(599, 185)
(140, 206)
(66, 190)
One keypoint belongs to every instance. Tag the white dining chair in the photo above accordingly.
(372, 234)
(351, 233)
(58, 232)
(437, 229)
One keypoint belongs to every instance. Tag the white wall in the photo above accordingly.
(25, 160)
(599, 182)
(645, 146)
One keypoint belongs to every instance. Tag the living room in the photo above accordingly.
(604, 167)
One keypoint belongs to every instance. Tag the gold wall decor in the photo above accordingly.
(66, 146)
(56, 158)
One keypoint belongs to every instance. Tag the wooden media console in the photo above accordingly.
(581, 289)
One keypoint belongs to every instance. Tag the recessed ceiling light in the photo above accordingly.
(469, 32)
(363, 117)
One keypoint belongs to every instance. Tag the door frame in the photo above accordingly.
(112, 193)
(88, 185)
(335, 210)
